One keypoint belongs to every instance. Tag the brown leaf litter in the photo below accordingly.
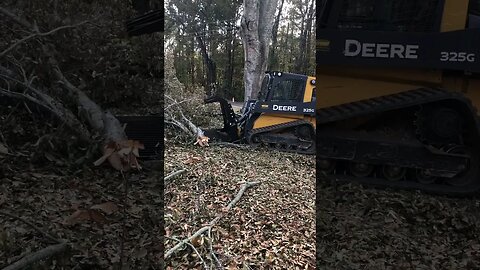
(271, 226)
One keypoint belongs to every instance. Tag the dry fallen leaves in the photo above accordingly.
(198, 241)
(92, 214)
(267, 213)
(107, 207)
(85, 215)
(193, 159)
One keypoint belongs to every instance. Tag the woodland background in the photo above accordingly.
(203, 37)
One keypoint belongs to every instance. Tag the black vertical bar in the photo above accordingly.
(438, 16)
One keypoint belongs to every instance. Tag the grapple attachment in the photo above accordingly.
(229, 132)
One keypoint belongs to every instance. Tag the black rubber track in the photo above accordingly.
(399, 101)
(293, 148)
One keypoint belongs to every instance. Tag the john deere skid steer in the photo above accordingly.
(283, 116)
(399, 90)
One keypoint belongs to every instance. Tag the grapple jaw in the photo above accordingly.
(229, 132)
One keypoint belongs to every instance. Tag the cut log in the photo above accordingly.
(117, 149)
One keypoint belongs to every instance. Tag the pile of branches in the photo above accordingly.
(184, 111)
(70, 63)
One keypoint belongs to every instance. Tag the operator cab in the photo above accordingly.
(280, 86)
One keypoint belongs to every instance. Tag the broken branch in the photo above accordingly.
(192, 128)
(202, 230)
(174, 174)
(37, 34)
(37, 256)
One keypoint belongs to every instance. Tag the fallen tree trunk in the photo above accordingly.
(117, 149)
(120, 152)
(45, 102)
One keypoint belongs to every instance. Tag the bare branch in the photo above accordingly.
(170, 120)
(174, 174)
(49, 104)
(17, 95)
(212, 253)
(196, 131)
(213, 222)
(37, 34)
(37, 256)
(180, 102)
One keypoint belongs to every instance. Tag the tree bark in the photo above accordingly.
(256, 31)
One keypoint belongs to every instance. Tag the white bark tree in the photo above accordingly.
(256, 32)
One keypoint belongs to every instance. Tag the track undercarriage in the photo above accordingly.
(297, 136)
(293, 137)
(425, 139)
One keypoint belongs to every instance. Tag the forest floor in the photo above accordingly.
(271, 226)
(85, 206)
(361, 228)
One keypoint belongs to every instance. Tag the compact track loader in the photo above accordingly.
(283, 116)
(399, 90)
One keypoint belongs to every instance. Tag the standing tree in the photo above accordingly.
(273, 60)
(256, 31)
(306, 13)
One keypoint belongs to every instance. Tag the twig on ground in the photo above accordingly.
(202, 230)
(212, 253)
(37, 256)
(198, 253)
(174, 174)
(231, 144)
(194, 249)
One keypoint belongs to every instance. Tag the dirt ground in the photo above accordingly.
(360, 228)
(273, 224)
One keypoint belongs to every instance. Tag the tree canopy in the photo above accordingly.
(205, 40)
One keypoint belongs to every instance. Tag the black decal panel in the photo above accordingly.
(457, 50)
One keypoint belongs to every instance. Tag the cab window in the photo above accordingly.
(289, 90)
